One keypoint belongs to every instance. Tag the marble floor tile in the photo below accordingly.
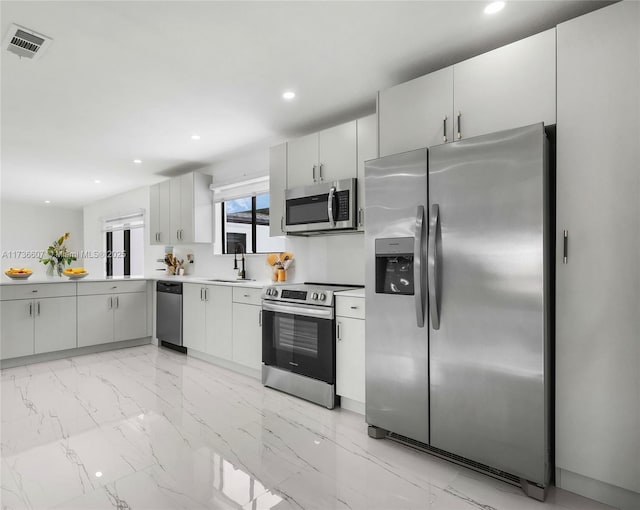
(148, 428)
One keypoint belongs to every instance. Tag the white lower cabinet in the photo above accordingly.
(350, 345)
(34, 326)
(105, 318)
(207, 322)
(247, 327)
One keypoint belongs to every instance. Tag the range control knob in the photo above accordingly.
(314, 296)
(322, 296)
(274, 292)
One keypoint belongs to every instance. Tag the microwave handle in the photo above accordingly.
(332, 193)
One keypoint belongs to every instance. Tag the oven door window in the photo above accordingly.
(300, 344)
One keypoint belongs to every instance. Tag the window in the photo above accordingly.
(242, 219)
(124, 242)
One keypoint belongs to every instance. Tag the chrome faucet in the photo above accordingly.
(242, 274)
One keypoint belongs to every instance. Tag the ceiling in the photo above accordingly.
(134, 80)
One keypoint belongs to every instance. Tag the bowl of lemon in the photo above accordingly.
(75, 273)
(18, 273)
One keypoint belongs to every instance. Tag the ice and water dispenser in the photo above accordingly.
(394, 265)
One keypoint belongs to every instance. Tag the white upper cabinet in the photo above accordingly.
(191, 209)
(598, 288)
(508, 87)
(159, 214)
(367, 149)
(418, 113)
(277, 186)
(322, 157)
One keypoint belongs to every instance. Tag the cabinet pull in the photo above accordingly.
(30, 309)
(313, 173)
(565, 246)
(117, 302)
(260, 318)
(110, 303)
(353, 307)
(38, 308)
(320, 172)
(201, 294)
(339, 332)
(444, 129)
(282, 223)
(206, 294)
(459, 125)
(361, 217)
(245, 295)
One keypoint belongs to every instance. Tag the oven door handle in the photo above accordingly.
(307, 311)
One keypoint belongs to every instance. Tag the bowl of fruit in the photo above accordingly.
(75, 273)
(18, 273)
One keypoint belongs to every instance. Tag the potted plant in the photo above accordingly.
(58, 255)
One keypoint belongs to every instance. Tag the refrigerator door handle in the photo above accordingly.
(418, 267)
(332, 194)
(434, 230)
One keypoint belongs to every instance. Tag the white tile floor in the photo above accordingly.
(147, 428)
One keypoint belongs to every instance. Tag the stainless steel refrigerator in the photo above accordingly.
(457, 311)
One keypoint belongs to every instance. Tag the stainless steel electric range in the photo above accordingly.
(299, 340)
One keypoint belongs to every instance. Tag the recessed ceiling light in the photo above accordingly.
(195, 137)
(494, 7)
(288, 95)
(97, 181)
(137, 161)
(47, 201)
(98, 474)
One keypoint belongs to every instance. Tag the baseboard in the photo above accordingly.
(230, 365)
(600, 491)
(69, 353)
(352, 405)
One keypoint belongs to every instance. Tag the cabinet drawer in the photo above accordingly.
(115, 287)
(350, 307)
(248, 296)
(47, 290)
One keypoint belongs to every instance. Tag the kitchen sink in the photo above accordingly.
(219, 280)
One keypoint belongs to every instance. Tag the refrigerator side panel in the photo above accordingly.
(397, 384)
(487, 359)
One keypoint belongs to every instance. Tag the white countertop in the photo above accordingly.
(352, 293)
(63, 279)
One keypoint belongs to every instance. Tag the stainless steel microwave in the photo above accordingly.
(327, 206)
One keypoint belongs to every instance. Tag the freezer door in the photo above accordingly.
(397, 384)
(488, 306)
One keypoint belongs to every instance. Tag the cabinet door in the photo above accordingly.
(187, 204)
(247, 335)
(154, 214)
(193, 317)
(277, 185)
(412, 114)
(510, 87)
(367, 149)
(598, 289)
(95, 320)
(219, 340)
(130, 316)
(337, 153)
(17, 328)
(55, 324)
(175, 221)
(164, 212)
(302, 161)
(350, 355)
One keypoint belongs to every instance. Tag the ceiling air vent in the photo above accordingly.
(25, 42)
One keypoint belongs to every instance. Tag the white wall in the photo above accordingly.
(94, 237)
(32, 228)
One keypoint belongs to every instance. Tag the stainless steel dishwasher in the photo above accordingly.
(169, 315)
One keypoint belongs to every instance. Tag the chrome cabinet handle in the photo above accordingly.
(38, 308)
(260, 318)
(418, 267)
(30, 309)
(245, 295)
(201, 294)
(565, 246)
(117, 302)
(313, 173)
(434, 266)
(459, 125)
(110, 303)
(353, 307)
(444, 129)
(320, 172)
(332, 193)
(361, 217)
(338, 332)
(282, 223)
(206, 294)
